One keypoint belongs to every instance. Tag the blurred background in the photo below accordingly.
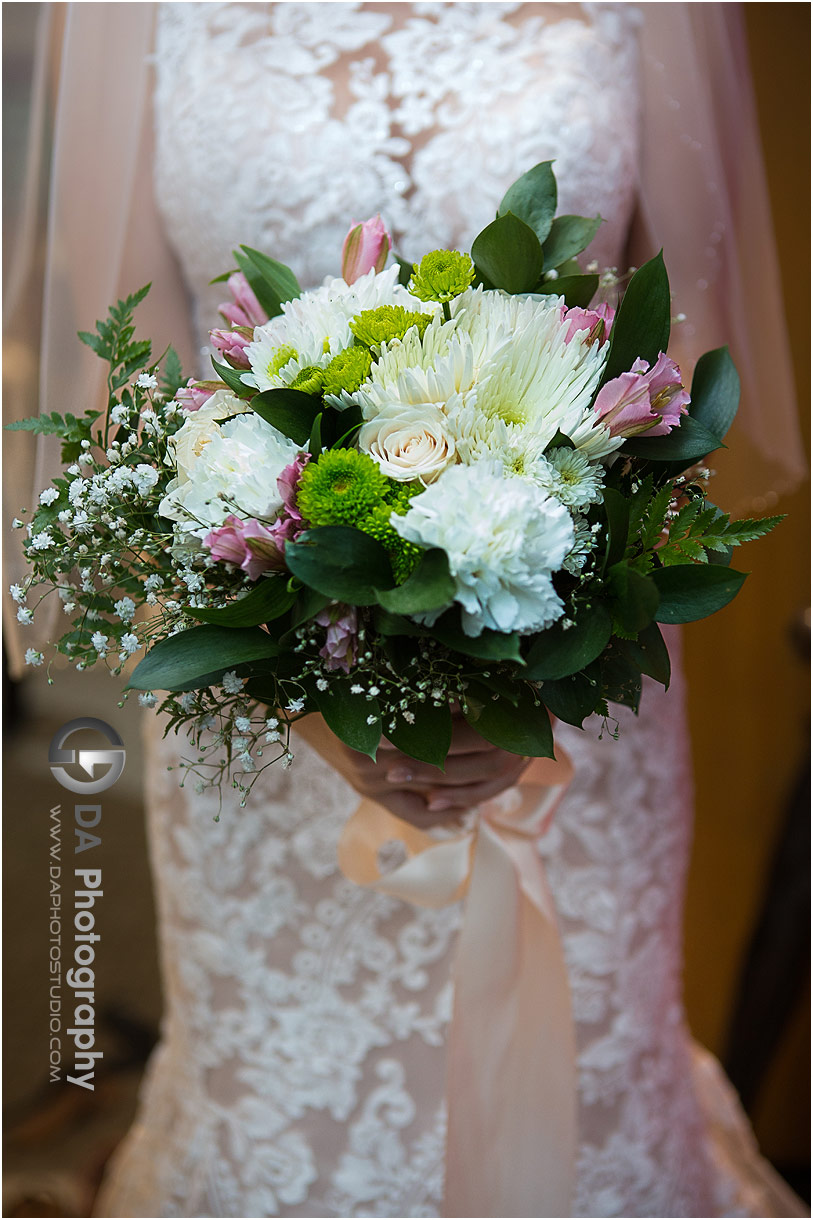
(747, 918)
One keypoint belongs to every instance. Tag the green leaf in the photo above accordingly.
(488, 646)
(183, 660)
(620, 677)
(429, 738)
(557, 652)
(232, 379)
(404, 270)
(533, 199)
(655, 516)
(342, 425)
(687, 443)
(428, 587)
(45, 424)
(578, 290)
(568, 236)
(387, 624)
(574, 698)
(508, 253)
(634, 597)
(649, 653)
(308, 605)
(617, 509)
(346, 715)
(559, 441)
(268, 601)
(715, 391)
(692, 591)
(315, 440)
(749, 528)
(641, 326)
(341, 563)
(273, 283)
(523, 728)
(172, 373)
(289, 411)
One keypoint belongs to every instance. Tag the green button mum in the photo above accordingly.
(340, 488)
(403, 555)
(308, 380)
(441, 275)
(372, 327)
(348, 370)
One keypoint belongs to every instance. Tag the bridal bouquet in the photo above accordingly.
(451, 482)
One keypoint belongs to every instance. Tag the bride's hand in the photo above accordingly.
(417, 792)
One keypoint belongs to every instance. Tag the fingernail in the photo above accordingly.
(438, 802)
(399, 775)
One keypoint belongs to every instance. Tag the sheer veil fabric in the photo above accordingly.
(702, 195)
(224, 1144)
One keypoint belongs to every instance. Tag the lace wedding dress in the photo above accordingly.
(301, 1066)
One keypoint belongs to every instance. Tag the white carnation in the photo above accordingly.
(227, 468)
(504, 538)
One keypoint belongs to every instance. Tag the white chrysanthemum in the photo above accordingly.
(436, 369)
(234, 470)
(504, 538)
(570, 477)
(316, 326)
(528, 379)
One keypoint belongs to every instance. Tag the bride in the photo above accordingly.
(301, 1065)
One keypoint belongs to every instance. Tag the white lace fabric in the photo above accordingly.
(301, 1068)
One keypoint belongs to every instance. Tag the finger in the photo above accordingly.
(460, 769)
(467, 796)
(412, 808)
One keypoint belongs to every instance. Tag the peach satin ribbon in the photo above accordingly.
(511, 1077)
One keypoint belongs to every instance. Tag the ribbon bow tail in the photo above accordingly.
(511, 1063)
(511, 1076)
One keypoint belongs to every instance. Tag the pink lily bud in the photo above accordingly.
(247, 544)
(645, 399)
(365, 248)
(194, 394)
(339, 648)
(597, 321)
(232, 345)
(244, 309)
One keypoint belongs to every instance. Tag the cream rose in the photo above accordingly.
(409, 444)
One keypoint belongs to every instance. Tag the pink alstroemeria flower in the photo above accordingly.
(247, 544)
(645, 399)
(232, 345)
(588, 319)
(192, 396)
(244, 309)
(365, 247)
(290, 523)
(339, 648)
